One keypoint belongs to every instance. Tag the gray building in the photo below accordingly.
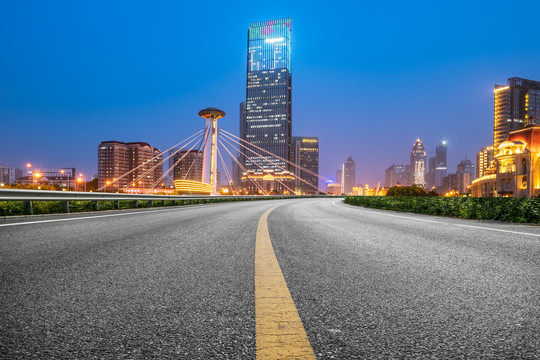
(9, 174)
(440, 164)
(395, 175)
(348, 176)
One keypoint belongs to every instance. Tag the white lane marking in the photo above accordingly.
(440, 222)
(90, 217)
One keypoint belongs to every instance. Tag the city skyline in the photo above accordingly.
(45, 104)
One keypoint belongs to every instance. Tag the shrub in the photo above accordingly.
(505, 209)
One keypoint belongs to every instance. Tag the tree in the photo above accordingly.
(408, 191)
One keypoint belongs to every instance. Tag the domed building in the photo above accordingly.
(515, 171)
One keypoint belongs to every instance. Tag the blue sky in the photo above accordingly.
(368, 77)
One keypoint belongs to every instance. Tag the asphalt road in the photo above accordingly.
(179, 283)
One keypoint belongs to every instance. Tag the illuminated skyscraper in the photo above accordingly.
(418, 164)
(440, 163)
(305, 153)
(267, 121)
(515, 105)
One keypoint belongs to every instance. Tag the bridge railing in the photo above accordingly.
(29, 196)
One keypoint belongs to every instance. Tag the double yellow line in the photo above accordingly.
(279, 333)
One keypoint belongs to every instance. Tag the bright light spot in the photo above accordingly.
(274, 40)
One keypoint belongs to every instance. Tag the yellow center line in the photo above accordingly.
(279, 333)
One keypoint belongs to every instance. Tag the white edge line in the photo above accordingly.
(91, 217)
(441, 222)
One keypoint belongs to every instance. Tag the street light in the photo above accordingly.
(62, 171)
(80, 179)
(108, 183)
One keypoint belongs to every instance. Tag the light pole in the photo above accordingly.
(107, 183)
(62, 171)
(81, 176)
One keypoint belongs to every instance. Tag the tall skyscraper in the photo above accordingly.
(395, 175)
(268, 94)
(440, 163)
(483, 160)
(515, 105)
(305, 153)
(418, 164)
(348, 176)
(466, 167)
(116, 158)
(430, 178)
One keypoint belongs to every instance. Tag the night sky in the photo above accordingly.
(368, 77)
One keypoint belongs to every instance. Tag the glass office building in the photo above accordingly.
(268, 95)
(515, 105)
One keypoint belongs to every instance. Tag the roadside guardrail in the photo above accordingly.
(29, 196)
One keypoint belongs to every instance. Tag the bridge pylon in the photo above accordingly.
(209, 175)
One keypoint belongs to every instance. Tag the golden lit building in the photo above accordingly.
(333, 189)
(270, 182)
(515, 171)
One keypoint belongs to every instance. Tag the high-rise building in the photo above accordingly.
(515, 105)
(348, 176)
(395, 175)
(466, 167)
(7, 174)
(268, 104)
(305, 153)
(116, 158)
(483, 160)
(430, 178)
(189, 165)
(418, 164)
(440, 163)
(339, 176)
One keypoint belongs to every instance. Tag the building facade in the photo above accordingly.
(440, 163)
(395, 175)
(348, 172)
(116, 159)
(189, 165)
(305, 153)
(515, 170)
(268, 106)
(483, 160)
(418, 164)
(7, 174)
(514, 106)
(267, 182)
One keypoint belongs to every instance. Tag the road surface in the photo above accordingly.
(180, 283)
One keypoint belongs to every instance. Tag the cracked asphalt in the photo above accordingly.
(178, 283)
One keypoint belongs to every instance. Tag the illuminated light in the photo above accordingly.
(310, 140)
(502, 88)
(274, 40)
(28, 165)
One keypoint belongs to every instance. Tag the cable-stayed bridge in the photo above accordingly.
(215, 144)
